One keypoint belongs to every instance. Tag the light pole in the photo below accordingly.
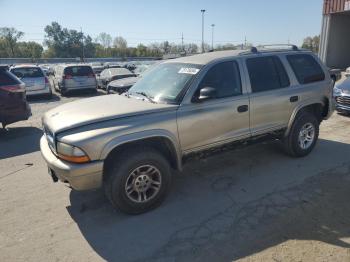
(203, 11)
(212, 36)
(82, 45)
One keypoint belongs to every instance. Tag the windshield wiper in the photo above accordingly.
(146, 96)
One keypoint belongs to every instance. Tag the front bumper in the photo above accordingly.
(341, 108)
(79, 176)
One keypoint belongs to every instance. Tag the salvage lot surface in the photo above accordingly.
(252, 204)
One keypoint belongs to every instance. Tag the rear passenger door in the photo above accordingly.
(312, 81)
(271, 99)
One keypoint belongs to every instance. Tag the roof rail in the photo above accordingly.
(280, 46)
(271, 48)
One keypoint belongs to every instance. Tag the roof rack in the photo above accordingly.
(4, 67)
(271, 48)
(281, 46)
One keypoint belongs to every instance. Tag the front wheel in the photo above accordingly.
(303, 135)
(138, 180)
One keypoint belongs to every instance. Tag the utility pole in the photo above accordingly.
(203, 11)
(182, 41)
(212, 36)
(82, 44)
(245, 42)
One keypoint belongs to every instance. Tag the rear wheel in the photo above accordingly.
(138, 180)
(303, 135)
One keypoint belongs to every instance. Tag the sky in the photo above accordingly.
(146, 21)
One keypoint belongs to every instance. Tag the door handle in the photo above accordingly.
(242, 109)
(294, 99)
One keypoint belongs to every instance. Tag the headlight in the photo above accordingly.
(336, 91)
(71, 153)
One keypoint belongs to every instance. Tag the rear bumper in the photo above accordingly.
(45, 91)
(79, 88)
(79, 176)
(18, 113)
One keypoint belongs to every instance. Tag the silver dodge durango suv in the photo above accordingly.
(129, 144)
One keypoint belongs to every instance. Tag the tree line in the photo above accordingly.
(312, 43)
(69, 43)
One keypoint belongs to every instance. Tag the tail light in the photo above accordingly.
(13, 88)
(46, 80)
(67, 77)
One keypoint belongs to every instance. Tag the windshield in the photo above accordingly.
(27, 72)
(165, 82)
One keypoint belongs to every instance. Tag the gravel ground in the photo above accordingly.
(252, 204)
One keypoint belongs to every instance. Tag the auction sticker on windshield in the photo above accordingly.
(188, 70)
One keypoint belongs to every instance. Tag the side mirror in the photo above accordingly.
(206, 93)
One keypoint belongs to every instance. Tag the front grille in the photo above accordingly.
(343, 100)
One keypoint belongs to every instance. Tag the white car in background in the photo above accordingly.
(36, 82)
(347, 72)
(74, 77)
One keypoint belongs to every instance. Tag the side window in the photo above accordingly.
(225, 78)
(267, 73)
(306, 68)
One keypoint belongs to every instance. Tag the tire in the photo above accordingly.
(122, 176)
(293, 143)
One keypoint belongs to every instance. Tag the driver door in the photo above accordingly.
(219, 120)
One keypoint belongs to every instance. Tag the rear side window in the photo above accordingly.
(306, 68)
(267, 73)
(225, 78)
(78, 71)
(28, 72)
(8, 79)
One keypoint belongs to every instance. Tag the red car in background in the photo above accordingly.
(13, 103)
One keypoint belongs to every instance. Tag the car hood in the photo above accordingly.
(98, 109)
(345, 85)
(124, 82)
